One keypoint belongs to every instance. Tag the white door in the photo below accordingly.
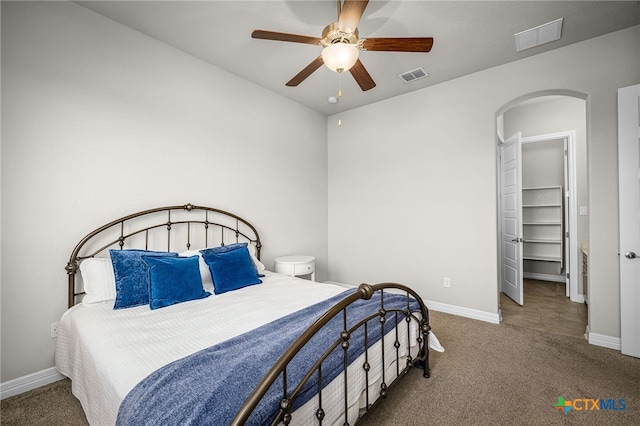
(629, 198)
(567, 222)
(511, 217)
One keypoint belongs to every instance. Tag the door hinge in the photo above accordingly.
(568, 276)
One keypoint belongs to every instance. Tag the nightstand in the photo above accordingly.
(296, 266)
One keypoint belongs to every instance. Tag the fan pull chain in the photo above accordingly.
(339, 98)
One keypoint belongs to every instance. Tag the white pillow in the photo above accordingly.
(99, 281)
(259, 265)
(205, 273)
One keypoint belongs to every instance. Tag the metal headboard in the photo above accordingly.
(164, 228)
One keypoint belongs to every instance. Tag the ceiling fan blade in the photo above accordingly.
(350, 15)
(306, 72)
(294, 38)
(411, 44)
(362, 77)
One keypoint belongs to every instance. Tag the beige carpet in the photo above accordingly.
(509, 375)
(49, 405)
(489, 375)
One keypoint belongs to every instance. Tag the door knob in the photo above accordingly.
(630, 255)
(518, 240)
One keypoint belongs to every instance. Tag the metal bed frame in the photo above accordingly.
(181, 227)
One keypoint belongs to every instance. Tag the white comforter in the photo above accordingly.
(106, 352)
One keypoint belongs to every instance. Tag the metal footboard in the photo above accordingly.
(383, 314)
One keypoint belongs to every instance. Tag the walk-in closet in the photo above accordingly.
(543, 210)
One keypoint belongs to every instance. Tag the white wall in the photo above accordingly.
(99, 121)
(412, 180)
(543, 163)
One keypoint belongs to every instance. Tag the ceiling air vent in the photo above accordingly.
(413, 75)
(541, 34)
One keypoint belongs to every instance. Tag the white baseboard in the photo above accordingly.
(29, 382)
(579, 298)
(341, 284)
(603, 340)
(449, 309)
(463, 312)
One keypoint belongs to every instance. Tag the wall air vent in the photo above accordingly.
(541, 34)
(413, 75)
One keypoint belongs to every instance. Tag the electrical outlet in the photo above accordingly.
(447, 282)
(54, 329)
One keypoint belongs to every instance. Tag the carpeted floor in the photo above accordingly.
(489, 375)
(52, 405)
(510, 375)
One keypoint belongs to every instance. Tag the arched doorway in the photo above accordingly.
(550, 194)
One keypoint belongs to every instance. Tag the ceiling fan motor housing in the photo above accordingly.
(332, 35)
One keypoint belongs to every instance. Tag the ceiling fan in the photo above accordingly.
(341, 44)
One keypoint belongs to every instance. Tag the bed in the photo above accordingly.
(173, 319)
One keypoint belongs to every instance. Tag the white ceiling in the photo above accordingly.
(469, 36)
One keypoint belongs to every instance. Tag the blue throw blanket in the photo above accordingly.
(210, 386)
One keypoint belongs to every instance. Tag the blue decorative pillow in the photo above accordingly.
(235, 246)
(174, 280)
(231, 267)
(132, 276)
(226, 248)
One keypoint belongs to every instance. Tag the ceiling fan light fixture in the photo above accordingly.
(340, 57)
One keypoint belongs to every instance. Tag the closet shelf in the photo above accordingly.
(542, 220)
(544, 258)
(544, 241)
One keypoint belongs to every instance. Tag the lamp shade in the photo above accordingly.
(340, 57)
